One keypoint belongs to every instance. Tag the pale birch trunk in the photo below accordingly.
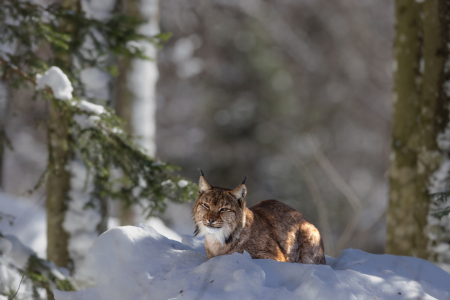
(136, 89)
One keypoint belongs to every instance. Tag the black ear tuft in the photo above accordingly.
(197, 230)
(245, 179)
(201, 172)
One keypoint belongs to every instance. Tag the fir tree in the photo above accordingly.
(118, 167)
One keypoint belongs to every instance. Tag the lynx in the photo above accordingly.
(269, 229)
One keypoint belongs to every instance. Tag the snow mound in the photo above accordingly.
(138, 263)
(57, 81)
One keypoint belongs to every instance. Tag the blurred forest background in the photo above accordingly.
(294, 94)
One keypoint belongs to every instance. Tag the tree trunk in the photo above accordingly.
(4, 111)
(435, 112)
(135, 94)
(58, 179)
(58, 186)
(420, 115)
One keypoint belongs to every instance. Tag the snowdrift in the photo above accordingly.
(138, 263)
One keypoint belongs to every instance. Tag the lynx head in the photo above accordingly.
(219, 211)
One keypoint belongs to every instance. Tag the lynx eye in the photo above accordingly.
(223, 209)
(205, 205)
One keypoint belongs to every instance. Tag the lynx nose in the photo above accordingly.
(211, 221)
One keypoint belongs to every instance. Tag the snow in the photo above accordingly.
(57, 81)
(98, 9)
(13, 260)
(155, 223)
(134, 46)
(12, 247)
(439, 180)
(26, 221)
(91, 107)
(10, 278)
(80, 221)
(94, 110)
(138, 263)
(182, 183)
(29, 222)
(14, 257)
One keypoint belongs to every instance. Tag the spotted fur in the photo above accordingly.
(269, 229)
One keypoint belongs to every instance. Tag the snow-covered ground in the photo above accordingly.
(139, 263)
(23, 226)
(27, 221)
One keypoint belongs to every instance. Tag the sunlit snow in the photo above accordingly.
(55, 79)
(138, 263)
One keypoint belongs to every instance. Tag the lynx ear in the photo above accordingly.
(240, 192)
(203, 185)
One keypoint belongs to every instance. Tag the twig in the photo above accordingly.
(289, 42)
(11, 218)
(348, 231)
(334, 176)
(321, 208)
(23, 276)
(24, 75)
(362, 235)
(17, 70)
(344, 188)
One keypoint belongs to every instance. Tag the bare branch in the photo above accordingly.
(18, 71)
(321, 207)
(334, 176)
(23, 276)
(322, 210)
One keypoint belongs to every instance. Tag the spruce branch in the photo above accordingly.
(439, 213)
(440, 198)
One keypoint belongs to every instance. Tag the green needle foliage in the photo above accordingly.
(35, 37)
(44, 274)
(441, 197)
(120, 167)
(38, 37)
(37, 274)
(58, 32)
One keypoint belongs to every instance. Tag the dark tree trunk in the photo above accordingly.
(420, 116)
